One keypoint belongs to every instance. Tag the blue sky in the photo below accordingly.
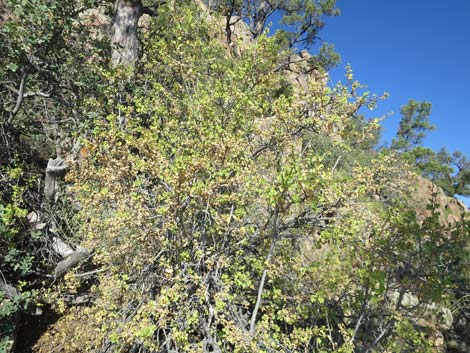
(411, 49)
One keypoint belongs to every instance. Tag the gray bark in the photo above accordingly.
(60, 247)
(70, 262)
(125, 44)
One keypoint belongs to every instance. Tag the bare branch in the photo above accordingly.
(89, 273)
(37, 94)
(358, 325)
(274, 236)
(336, 164)
(55, 168)
(69, 262)
(19, 99)
(22, 95)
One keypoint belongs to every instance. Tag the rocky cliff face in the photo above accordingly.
(424, 192)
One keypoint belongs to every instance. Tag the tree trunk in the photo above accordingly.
(126, 48)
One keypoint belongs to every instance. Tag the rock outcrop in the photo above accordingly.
(449, 326)
(424, 192)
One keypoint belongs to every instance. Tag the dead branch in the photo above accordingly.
(55, 168)
(274, 237)
(19, 99)
(70, 262)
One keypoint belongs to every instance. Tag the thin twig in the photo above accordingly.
(336, 164)
(89, 273)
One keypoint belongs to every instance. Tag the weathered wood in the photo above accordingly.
(55, 169)
(70, 262)
(60, 247)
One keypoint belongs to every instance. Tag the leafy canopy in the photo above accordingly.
(226, 207)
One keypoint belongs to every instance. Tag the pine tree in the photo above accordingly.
(413, 125)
